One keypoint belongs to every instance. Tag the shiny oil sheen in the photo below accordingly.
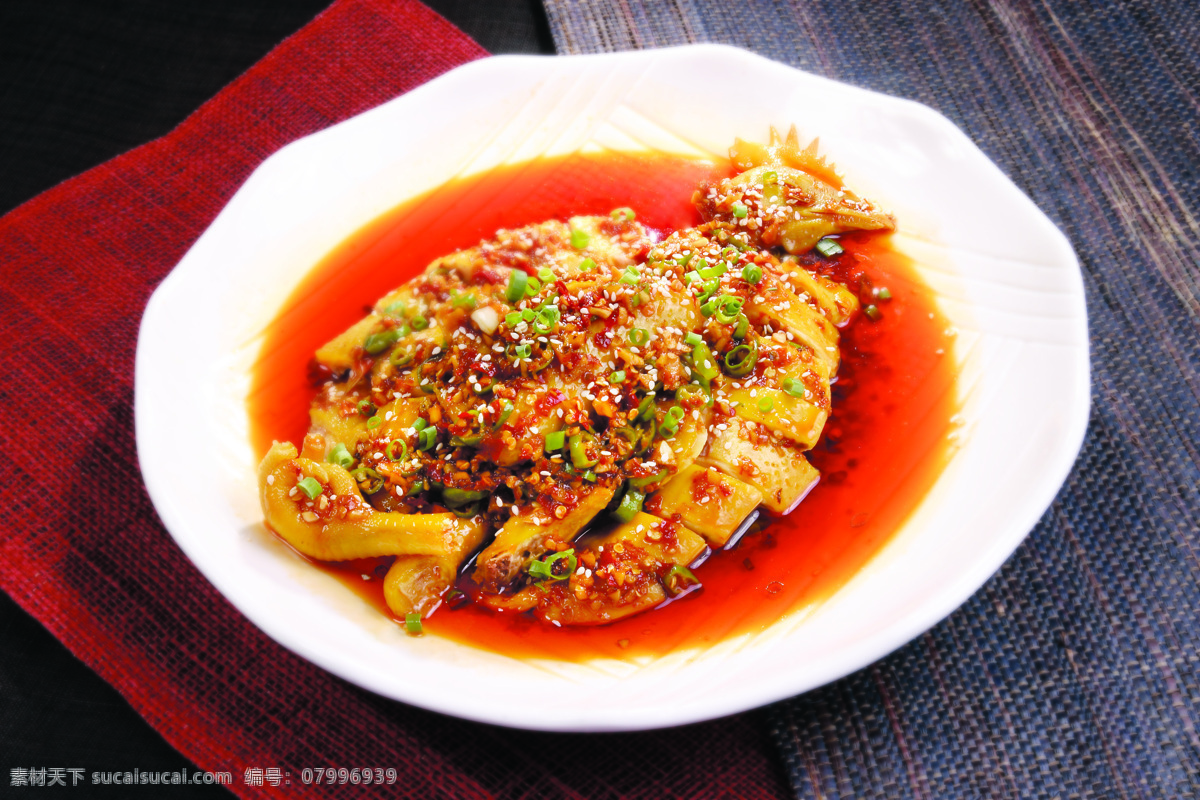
(881, 451)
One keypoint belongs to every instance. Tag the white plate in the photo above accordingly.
(1012, 287)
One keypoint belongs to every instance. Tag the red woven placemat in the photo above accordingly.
(82, 548)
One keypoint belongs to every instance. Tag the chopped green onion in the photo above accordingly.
(544, 569)
(683, 260)
(578, 450)
(630, 277)
(769, 177)
(829, 247)
(579, 239)
(729, 252)
(555, 441)
(793, 387)
(376, 343)
(366, 408)
(691, 277)
(709, 308)
(463, 301)
(412, 624)
(310, 486)
(742, 327)
(715, 271)
(546, 319)
(545, 275)
(374, 422)
(587, 265)
(623, 214)
(527, 314)
(739, 210)
(395, 309)
(523, 350)
(419, 424)
(873, 312)
(752, 273)
(638, 336)
(517, 281)
(391, 450)
(341, 456)
(506, 411)
(630, 505)
(710, 288)
(617, 377)
(740, 361)
(589, 476)
(693, 338)
(765, 404)
(882, 293)
(426, 438)
(728, 309)
(671, 420)
(532, 287)
(419, 323)
(512, 319)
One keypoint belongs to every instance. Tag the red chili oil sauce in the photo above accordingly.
(882, 449)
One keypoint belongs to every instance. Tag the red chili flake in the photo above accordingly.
(550, 399)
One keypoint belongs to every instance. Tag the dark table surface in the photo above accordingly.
(82, 81)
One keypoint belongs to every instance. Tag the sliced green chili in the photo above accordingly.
(506, 411)
(578, 450)
(678, 578)
(376, 343)
(630, 505)
(740, 361)
(555, 441)
(558, 567)
(368, 479)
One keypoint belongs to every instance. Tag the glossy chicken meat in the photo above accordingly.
(586, 407)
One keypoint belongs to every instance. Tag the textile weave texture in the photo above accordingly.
(1072, 672)
(83, 550)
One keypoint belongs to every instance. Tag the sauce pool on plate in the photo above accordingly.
(882, 449)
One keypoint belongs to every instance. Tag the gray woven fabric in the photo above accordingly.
(1073, 672)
